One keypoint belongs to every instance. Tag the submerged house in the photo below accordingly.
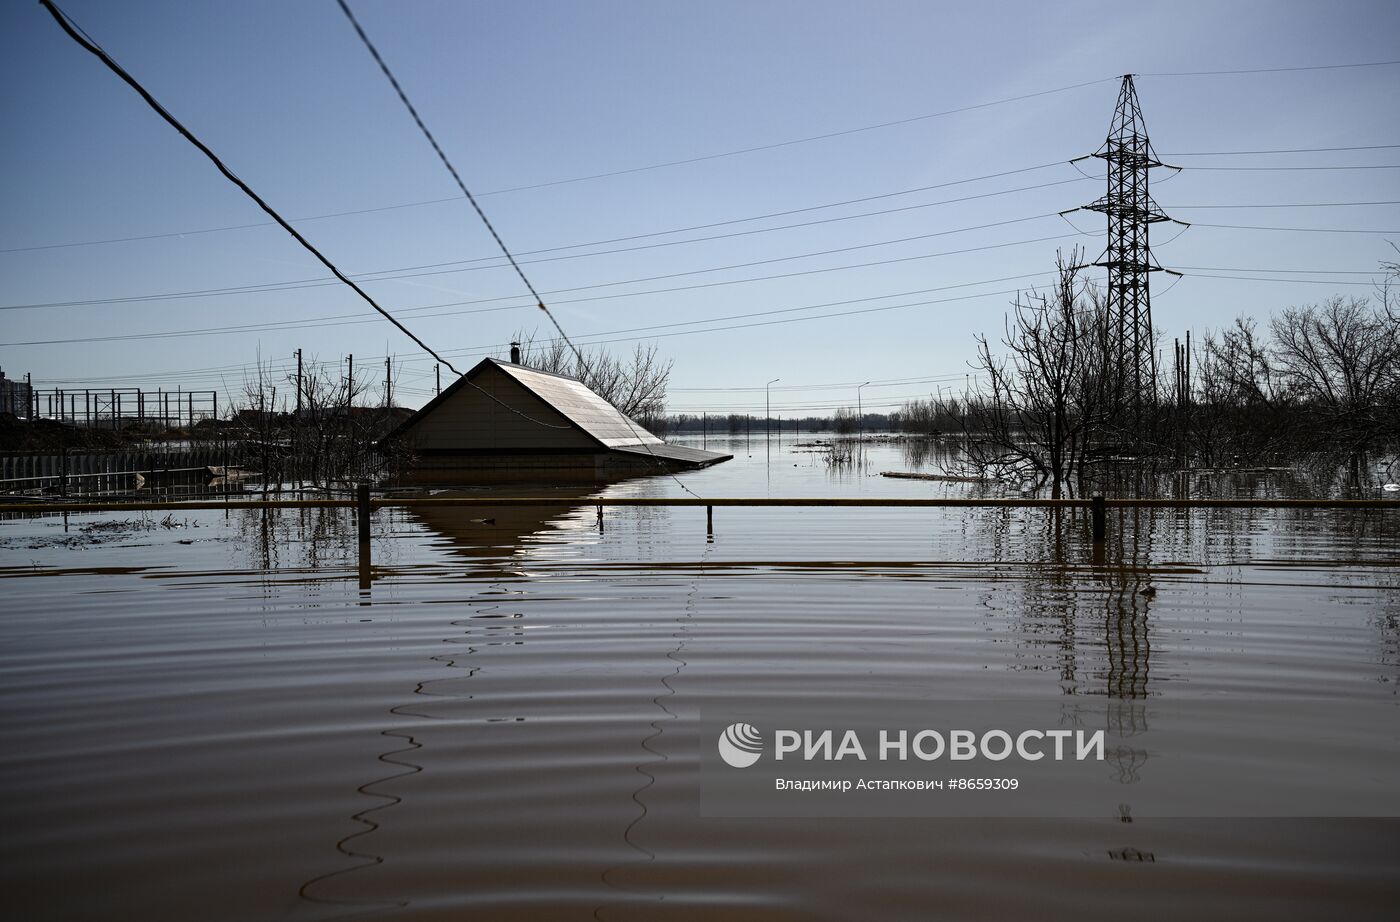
(504, 422)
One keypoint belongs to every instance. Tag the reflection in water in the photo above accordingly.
(937, 456)
(486, 608)
(543, 765)
(310, 890)
(668, 691)
(1085, 605)
(494, 538)
(491, 536)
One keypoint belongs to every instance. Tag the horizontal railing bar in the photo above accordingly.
(837, 502)
(143, 471)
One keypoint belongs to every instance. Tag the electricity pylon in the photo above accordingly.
(1129, 157)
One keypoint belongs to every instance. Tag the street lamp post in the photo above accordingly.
(860, 411)
(768, 409)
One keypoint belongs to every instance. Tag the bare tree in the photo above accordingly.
(1239, 410)
(1037, 410)
(329, 442)
(1340, 359)
(636, 385)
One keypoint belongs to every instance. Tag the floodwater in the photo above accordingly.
(209, 717)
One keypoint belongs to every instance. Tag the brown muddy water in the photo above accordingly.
(208, 718)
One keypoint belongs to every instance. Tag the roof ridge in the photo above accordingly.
(539, 371)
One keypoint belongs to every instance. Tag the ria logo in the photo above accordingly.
(740, 745)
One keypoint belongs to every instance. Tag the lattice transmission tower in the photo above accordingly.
(1129, 158)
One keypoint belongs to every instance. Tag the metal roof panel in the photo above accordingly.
(582, 407)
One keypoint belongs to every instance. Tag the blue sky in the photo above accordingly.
(522, 94)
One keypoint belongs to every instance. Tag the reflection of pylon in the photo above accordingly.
(1129, 157)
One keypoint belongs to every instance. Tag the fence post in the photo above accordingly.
(1098, 510)
(600, 519)
(709, 520)
(362, 516)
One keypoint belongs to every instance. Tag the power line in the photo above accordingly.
(479, 349)
(288, 325)
(1295, 205)
(340, 320)
(1283, 150)
(892, 400)
(1255, 278)
(701, 158)
(785, 320)
(1288, 169)
(601, 242)
(1267, 70)
(226, 227)
(897, 122)
(385, 275)
(1011, 291)
(795, 141)
(760, 230)
(62, 19)
(208, 331)
(539, 301)
(1309, 230)
(888, 382)
(456, 177)
(775, 214)
(1297, 271)
(359, 318)
(88, 44)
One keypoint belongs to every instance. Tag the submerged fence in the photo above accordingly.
(94, 471)
(364, 504)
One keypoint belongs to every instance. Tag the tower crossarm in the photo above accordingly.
(1140, 213)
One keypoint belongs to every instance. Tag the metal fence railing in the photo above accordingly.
(364, 504)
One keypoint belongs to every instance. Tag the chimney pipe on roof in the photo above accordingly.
(515, 353)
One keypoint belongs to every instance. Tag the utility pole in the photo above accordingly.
(349, 380)
(768, 410)
(860, 411)
(296, 427)
(388, 383)
(437, 378)
(1129, 158)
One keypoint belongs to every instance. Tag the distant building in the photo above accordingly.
(502, 422)
(16, 397)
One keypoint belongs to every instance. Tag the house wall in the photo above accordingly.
(452, 469)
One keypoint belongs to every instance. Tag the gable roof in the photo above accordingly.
(570, 397)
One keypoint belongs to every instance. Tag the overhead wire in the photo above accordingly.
(340, 320)
(403, 97)
(1196, 272)
(1309, 230)
(1278, 150)
(93, 48)
(931, 116)
(1293, 205)
(784, 213)
(629, 237)
(804, 140)
(223, 228)
(418, 120)
(1266, 70)
(1289, 169)
(320, 283)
